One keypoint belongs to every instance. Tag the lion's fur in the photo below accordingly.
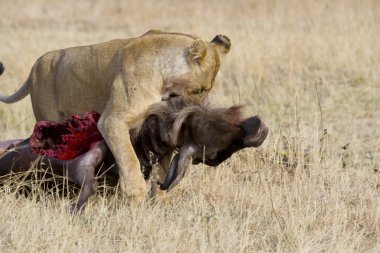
(120, 79)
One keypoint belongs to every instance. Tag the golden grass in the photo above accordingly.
(300, 192)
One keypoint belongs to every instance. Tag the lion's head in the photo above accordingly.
(203, 60)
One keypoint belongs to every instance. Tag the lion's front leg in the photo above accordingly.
(114, 128)
(116, 133)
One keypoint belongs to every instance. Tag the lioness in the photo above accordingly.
(120, 79)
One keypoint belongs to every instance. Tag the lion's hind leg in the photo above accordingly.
(43, 88)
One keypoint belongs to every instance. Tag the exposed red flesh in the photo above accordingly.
(68, 139)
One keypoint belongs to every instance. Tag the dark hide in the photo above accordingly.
(198, 133)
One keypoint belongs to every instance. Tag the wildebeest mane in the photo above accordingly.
(204, 125)
(183, 120)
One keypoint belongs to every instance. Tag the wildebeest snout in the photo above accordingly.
(255, 132)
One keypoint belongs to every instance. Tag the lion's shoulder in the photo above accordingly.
(170, 35)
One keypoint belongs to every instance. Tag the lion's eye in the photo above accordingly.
(199, 91)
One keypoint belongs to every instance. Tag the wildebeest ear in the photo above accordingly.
(235, 113)
(178, 167)
(222, 44)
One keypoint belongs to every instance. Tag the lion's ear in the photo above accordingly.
(222, 44)
(197, 51)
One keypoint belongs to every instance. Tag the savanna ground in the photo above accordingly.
(311, 69)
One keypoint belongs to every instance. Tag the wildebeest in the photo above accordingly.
(198, 133)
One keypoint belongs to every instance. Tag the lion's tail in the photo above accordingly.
(18, 95)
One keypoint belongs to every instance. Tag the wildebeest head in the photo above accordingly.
(210, 136)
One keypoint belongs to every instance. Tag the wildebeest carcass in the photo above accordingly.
(76, 149)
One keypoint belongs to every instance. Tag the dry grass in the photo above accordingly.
(300, 192)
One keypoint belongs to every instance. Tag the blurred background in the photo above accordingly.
(310, 69)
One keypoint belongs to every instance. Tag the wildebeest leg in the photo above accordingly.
(4, 145)
(17, 157)
(82, 171)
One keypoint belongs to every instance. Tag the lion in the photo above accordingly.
(120, 79)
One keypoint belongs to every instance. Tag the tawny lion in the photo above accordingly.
(120, 79)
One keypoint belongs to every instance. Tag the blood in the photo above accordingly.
(68, 139)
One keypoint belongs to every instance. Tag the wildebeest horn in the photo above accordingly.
(178, 167)
(172, 173)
